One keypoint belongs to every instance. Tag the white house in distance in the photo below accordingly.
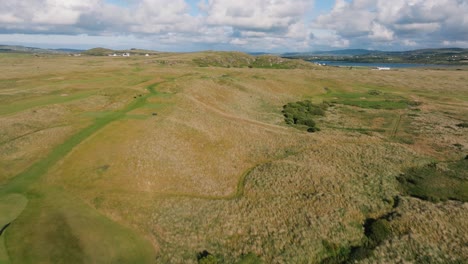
(383, 68)
(146, 55)
(126, 54)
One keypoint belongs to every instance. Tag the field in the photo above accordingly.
(186, 158)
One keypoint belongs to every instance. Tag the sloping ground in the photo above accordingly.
(194, 159)
(56, 228)
(242, 60)
(11, 206)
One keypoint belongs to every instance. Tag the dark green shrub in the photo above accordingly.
(308, 122)
(337, 254)
(301, 113)
(377, 230)
(374, 92)
(206, 257)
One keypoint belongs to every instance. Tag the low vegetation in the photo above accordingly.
(242, 60)
(437, 181)
(301, 114)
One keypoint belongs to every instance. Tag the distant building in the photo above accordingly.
(146, 55)
(383, 68)
(126, 54)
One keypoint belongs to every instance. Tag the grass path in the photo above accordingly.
(55, 225)
(270, 127)
(238, 193)
(30, 175)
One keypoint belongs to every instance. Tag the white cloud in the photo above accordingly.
(259, 15)
(397, 22)
(409, 43)
(379, 32)
(245, 24)
(46, 12)
(238, 41)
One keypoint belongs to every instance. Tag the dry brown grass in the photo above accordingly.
(174, 176)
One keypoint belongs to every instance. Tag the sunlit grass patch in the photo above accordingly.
(65, 230)
(368, 98)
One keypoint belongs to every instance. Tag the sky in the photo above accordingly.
(243, 25)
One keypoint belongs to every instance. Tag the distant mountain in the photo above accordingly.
(346, 52)
(69, 50)
(449, 56)
(23, 49)
(363, 52)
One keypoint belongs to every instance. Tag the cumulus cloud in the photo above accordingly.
(379, 32)
(246, 24)
(398, 22)
(258, 15)
(95, 17)
(42, 14)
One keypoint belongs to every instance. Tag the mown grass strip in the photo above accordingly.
(24, 179)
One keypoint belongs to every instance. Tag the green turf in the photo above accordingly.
(11, 207)
(385, 104)
(373, 99)
(24, 179)
(56, 228)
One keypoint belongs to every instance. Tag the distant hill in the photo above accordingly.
(456, 56)
(362, 52)
(104, 52)
(23, 49)
(91, 52)
(346, 52)
(98, 52)
(240, 60)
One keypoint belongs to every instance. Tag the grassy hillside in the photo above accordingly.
(197, 157)
(242, 60)
(98, 52)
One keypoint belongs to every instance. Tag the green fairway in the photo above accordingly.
(57, 228)
(23, 180)
(11, 206)
(80, 235)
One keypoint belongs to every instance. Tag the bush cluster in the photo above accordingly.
(301, 113)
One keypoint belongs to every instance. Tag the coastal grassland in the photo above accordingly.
(161, 160)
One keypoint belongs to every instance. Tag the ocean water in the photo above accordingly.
(375, 65)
